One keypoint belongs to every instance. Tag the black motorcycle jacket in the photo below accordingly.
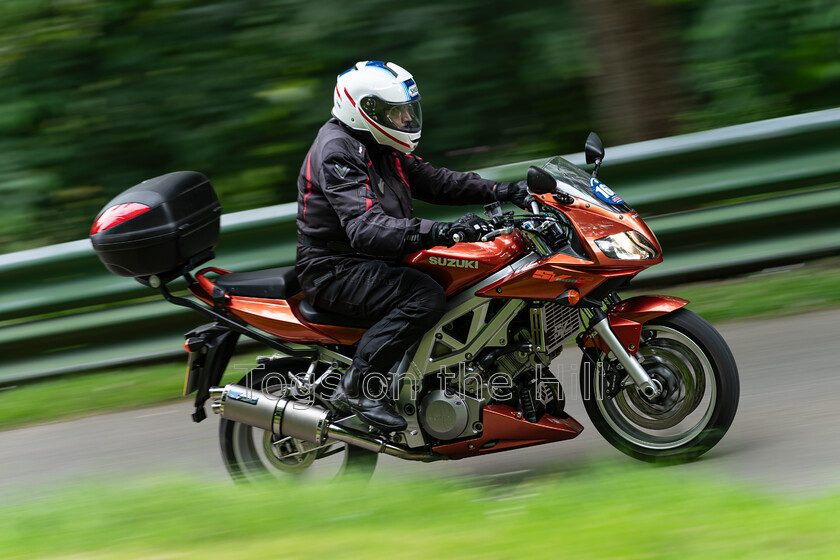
(355, 203)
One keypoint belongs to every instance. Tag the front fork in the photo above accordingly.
(599, 322)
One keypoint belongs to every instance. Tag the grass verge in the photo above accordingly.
(93, 393)
(600, 513)
(96, 393)
(782, 291)
(773, 292)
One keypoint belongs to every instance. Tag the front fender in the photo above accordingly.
(627, 317)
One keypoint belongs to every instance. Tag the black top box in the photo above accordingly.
(164, 226)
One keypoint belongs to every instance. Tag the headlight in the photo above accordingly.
(627, 245)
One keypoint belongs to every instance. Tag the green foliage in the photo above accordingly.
(97, 95)
(619, 511)
(754, 59)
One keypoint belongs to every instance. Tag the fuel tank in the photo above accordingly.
(462, 265)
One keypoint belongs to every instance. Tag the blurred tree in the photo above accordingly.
(97, 95)
(747, 60)
(634, 86)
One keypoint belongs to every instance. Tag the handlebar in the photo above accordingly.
(537, 224)
(534, 223)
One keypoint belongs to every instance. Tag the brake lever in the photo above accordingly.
(496, 233)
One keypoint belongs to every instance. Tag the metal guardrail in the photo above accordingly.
(720, 202)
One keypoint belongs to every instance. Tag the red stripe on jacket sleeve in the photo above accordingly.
(400, 171)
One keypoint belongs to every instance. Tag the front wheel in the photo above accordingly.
(689, 359)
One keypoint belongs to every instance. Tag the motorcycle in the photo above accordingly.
(657, 381)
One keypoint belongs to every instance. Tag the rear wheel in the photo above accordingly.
(692, 363)
(251, 453)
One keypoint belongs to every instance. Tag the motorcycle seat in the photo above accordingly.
(320, 317)
(271, 283)
(282, 283)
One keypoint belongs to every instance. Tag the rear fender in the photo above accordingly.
(210, 347)
(627, 317)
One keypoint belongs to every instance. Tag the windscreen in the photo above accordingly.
(578, 183)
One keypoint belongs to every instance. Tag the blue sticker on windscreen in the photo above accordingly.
(603, 192)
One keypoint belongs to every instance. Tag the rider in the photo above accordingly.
(355, 223)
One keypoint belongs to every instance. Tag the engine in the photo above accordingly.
(444, 414)
(516, 375)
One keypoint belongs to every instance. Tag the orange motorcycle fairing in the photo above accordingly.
(592, 223)
(280, 317)
(504, 429)
(549, 277)
(627, 317)
(464, 264)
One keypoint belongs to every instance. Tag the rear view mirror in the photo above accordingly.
(540, 181)
(594, 149)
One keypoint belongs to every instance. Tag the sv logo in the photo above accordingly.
(553, 277)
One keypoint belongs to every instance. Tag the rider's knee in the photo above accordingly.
(429, 300)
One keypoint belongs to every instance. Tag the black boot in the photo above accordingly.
(378, 413)
(348, 387)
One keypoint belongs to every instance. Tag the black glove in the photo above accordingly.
(439, 236)
(468, 228)
(515, 193)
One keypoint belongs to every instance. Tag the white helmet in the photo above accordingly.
(382, 98)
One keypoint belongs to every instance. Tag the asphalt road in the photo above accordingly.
(786, 435)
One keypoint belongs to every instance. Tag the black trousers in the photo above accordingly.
(405, 303)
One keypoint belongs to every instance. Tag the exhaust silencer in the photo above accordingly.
(282, 416)
(286, 417)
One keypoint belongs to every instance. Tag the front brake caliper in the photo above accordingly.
(613, 380)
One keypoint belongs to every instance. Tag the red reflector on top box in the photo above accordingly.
(117, 215)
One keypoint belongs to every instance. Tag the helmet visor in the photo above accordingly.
(405, 117)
